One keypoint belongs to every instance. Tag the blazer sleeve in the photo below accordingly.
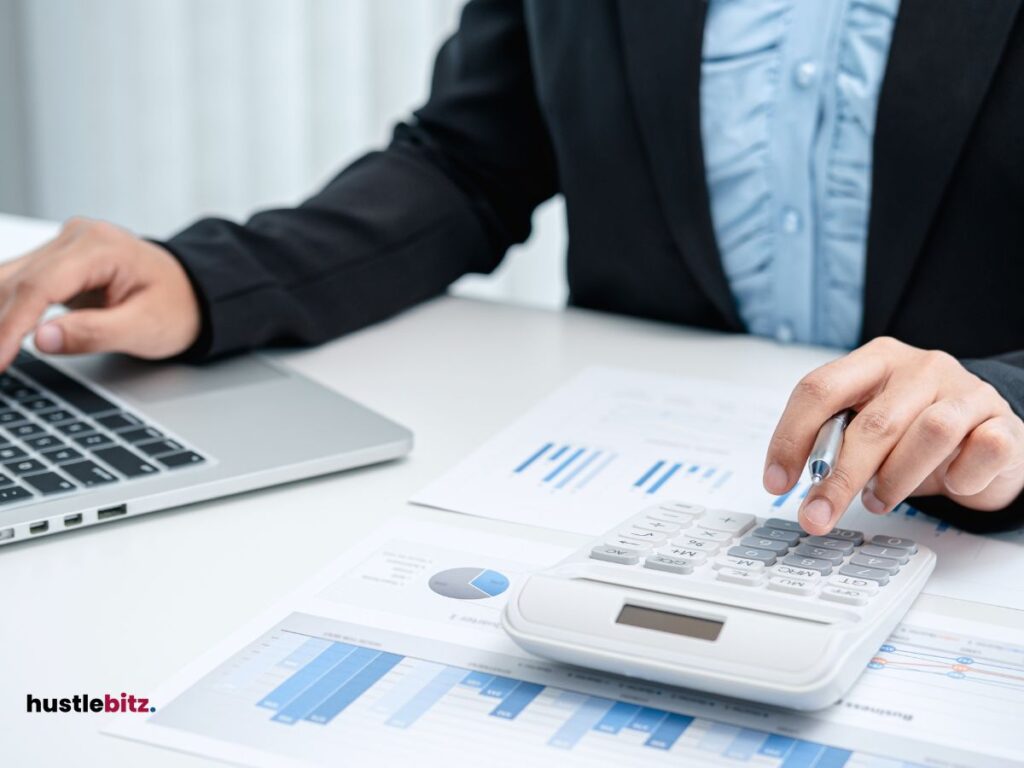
(1006, 374)
(454, 189)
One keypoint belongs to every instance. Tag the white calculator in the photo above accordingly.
(724, 602)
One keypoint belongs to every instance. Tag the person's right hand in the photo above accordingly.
(125, 295)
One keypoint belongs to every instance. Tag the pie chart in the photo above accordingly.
(468, 583)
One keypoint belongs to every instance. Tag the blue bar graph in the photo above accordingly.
(326, 685)
(745, 745)
(533, 457)
(499, 687)
(833, 758)
(354, 688)
(301, 655)
(518, 700)
(776, 746)
(693, 469)
(781, 500)
(306, 676)
(582, 720)
(803, 755)
(554, 456)
(671, 728)
(709, 472)
(426, 697)
(616, 718)
(647, 720)
(558, 470)
(577, 469)
(648, 474)
(477, 679)
(664, 478)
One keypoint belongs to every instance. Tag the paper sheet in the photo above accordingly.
(394, 655)
(613, 441)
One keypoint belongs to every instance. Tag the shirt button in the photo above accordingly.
(791, 221)
(784, 333)
(805, 73)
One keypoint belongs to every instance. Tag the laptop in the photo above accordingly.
(91, 440)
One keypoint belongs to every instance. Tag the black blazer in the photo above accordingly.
(598, 100)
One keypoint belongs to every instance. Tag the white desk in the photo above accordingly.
(121, 607)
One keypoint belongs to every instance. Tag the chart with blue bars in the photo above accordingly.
(571, 467)
(319, 683)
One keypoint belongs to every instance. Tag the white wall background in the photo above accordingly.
(151, 113)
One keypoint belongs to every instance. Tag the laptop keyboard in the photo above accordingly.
(59, 436)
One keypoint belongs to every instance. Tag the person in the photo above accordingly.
(846, 172)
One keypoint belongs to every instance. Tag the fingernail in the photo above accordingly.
(49, 338)
(818, 512)
(872, 502)
(775, 479)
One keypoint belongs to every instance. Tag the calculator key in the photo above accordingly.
(694, 555)
(13, 493)
(669, 564)
(93, 441)
(60, 455)
(806, 550)
(702, 544)
(846, 547)
(56, 417)
(766, 556)
(823, 567)
(633, 544)
(25, 430)
(44, 442)
(792, 585)
(790, 537)
(124, 461)
(25, 466)
(88, 473)
(75, 428)
(615, 555)
(634, 532)
(9, 452)
(49, 482)
(895, 541)
(863, 572)
(848, 582)
(901, 556)
(736, 523)
(700, 532)
(23, 392)
(670, 515)
(183, 459)
(784, 525)
(854, 537)
(743, 563)
(157, 447)
(797, 573)
(882, 563)
(762, 543)
(679, 506)
(843, 595)
(644, 523)
(740, 576)
(116, 421)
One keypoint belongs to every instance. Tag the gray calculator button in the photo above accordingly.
(882, 563)
(762, 543)
(791, 585)
(736, 523)
(660, 526)
(700, 532)
(740, 576)
(846, 547)
(743, 563)
(854, 537)
(899, 555)
(863, 572)
(784, 525)
(695, 556)
(848, 582)
(615, 555)
(764, 532)
(766, 556)
(797, 573)
(631, 544)
(681, 506)
(652, 537)
(702, 544)
(669, 564)
(843, 595)
(682, 519)
(895, 541)
(824, 567)
(806, 550)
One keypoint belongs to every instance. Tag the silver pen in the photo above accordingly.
(827, 445)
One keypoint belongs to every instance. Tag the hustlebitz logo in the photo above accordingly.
(126, 703)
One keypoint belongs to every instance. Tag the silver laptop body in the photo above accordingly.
(95, 439)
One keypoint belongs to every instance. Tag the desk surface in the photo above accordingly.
(122, 607)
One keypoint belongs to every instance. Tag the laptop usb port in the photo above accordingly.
(72, 520)
(109, 512)
(41, 527)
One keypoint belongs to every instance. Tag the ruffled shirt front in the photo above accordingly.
(789, 91)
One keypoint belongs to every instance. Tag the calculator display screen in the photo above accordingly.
(663, 621)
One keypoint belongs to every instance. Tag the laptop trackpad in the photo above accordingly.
(154, 382)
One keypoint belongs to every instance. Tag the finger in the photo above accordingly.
(867, 443)
(92, 330)
(820, 394)
(994, 448)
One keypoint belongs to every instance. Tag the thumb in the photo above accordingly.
(87, 330)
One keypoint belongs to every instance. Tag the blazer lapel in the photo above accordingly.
(943, 55)
(661, 44)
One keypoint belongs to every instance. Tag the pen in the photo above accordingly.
(826, 448)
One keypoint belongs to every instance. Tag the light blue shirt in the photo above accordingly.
(789, 91)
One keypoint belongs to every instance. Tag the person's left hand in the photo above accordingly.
(925, 425)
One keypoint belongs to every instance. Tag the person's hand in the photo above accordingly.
(126, 295)
(924, 426)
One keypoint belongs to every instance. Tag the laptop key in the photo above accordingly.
(25, 430)
(24, 392)
(57, 416)
(9, 416)
(160, 446)
(124, 461)
(25, 466)
(39, 404)
(140, 434)
(93, 441)
(4, 479)
(50, 482)
(44, 442)
(183, 459)
(14, 493)
(59, 455)
(116, 421)
(88, 473)
(63, 386)
(11, 452)
(75, 428)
